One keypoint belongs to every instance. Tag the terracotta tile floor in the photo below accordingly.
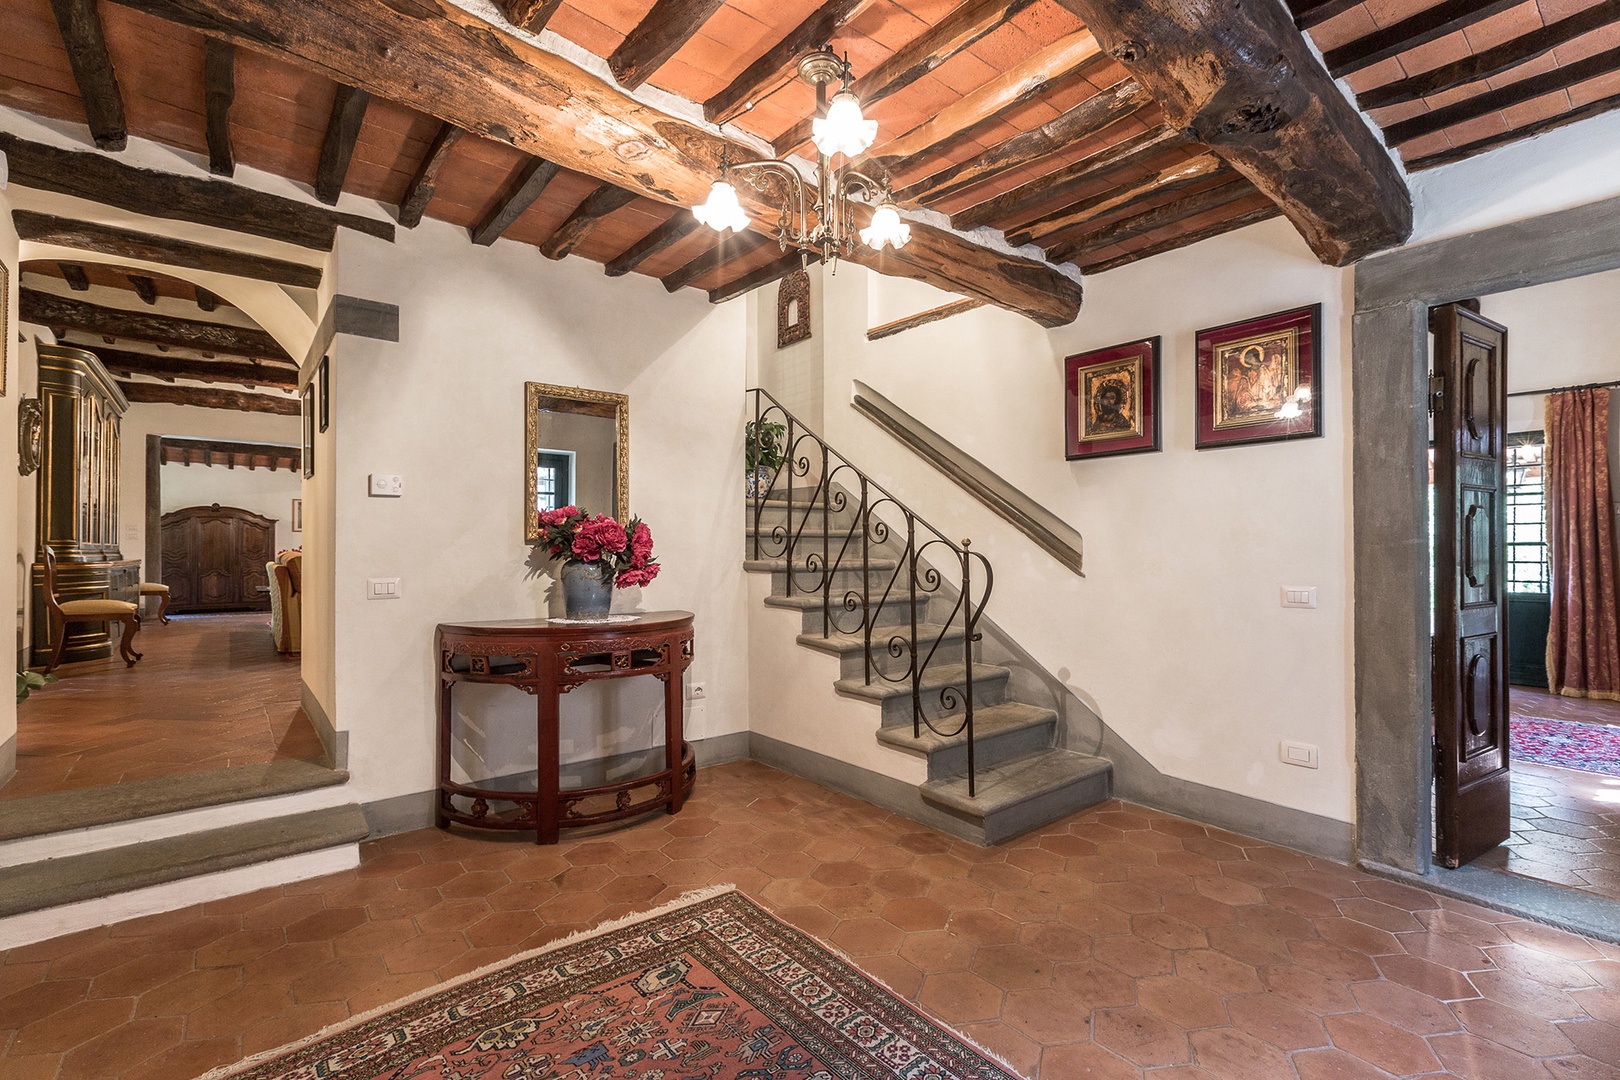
(209, 692)
(1566, 829)
(1116, 941)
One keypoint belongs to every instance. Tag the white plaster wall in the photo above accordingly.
(796, 375)
(269, 494)
(444, 408)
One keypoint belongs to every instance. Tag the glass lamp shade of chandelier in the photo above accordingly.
(886, 228)
(843, 130)
(721, 210)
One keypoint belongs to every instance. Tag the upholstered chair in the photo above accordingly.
(64, 613)
(286, 601)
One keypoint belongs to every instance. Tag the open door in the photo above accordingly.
(1469, 402)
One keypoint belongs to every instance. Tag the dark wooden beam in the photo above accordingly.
(337, 149)
(208, 398)
(144, 287)
(126, 362)
(219, 91)
(1241, 78)
(586, 216)
(179, 198)
(74, 275)
(1502, 138)
(1430, 24)
(420, 190)
(60, 311)
(1264, 213)
(126, 244)
(965, 25)
(922, 318)
(1084, 120)
(272, 456)
(667, 235)
(727, 248)
(1009, 205)
(1494, 61)
(1147, 221)
(1514, 93)
(501, 87)
(525, 186)
(530, 15)
(80, 22)
(779, 64)
(1175, 178)
(206, 300)
(774, 270)
(1308, 13)
(657, 37)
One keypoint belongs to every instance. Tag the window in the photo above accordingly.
(1528, 559)
(553, 479)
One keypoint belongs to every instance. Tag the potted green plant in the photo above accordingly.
(29, 681)
(763, 443)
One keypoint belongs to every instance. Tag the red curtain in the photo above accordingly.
(1583, 643)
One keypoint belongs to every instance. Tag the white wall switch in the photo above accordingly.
(387, 485)
(1297, 753)
(382, 588)
(1299, 596)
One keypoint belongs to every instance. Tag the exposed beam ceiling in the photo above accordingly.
(55, 311)
(779, 64)
(127, 362)
(586, 216)
(219, 93)
(774, 270)
(1175, 178)
(80, 22)
(337, 149)
(144, 287)
(75, 276)
(1504, 97)
(175, 451)
(522, 189)
(1252, 217)
(728, 248)
(667, 235)
(1430, 24)
(657, 37)
(530, 15)
(422, 186)
(208, 398)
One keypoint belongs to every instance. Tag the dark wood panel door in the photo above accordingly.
(214, 558)
(1470, 629)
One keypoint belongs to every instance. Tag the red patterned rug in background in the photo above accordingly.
(710, 987)
(1567, 744)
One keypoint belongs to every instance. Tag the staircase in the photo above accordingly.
(898, 605)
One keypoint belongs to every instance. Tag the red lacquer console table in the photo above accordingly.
(549, 658)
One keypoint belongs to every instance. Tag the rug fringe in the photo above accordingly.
(686, 899)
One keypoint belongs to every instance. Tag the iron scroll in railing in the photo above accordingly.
(863, 530)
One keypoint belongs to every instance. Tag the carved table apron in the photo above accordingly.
(549, 658)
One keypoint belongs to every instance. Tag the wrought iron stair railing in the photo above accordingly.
(862, 529)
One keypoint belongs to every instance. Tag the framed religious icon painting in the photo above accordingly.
(1111, 400)
(1261, 380)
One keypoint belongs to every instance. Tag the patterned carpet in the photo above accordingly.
(710, 987)
(1567, 744)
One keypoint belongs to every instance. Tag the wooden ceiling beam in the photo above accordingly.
(728, 248)
(1081, 122)
(52, 310)
(127, 362)
(586, 216)
(208, 398)
(206, 300)
(1494, 61)
(180, 451)
(80, 23)
(956, 32)
(988, 104)
(180, 198)
(74, 275)
(1308, 13)
(1009, 205)
(337, 149)
(1502, 138)
(657, 37)
(419, 192)
(779, 65)
(148, 247)
(1241, 78)
(1264, 213)
(667, 235)
(530, 15)
(774, 270)
(144, 287)
(524, 187)
(436, 57)
(1134, 225)
(219, 92)
(1177, 177)
(1430, 24)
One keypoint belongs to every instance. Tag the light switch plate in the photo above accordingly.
(387, 485)
(1301, 596)
(382, 588)
(1297, 753)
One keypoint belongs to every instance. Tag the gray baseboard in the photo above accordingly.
(403, 813)
(336, 742)
(8, 758)
(1557, 905)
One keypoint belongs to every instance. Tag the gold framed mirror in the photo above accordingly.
(576, 450)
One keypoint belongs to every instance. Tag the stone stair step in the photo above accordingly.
(887, 613)
(1013, 797)
(54, 882)
(1000, 732)
(779, 566)
(851, 648)
(894, 698)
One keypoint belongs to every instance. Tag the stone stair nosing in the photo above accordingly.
(1001, 732)
(894, 698)
(53, 882)
(1012, 797)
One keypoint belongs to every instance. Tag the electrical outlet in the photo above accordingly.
(1297, 753)
(382, 588)
(1301, 596)
(387, 485)
(698, 692)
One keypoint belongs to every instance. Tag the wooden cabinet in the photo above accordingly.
(214, 558)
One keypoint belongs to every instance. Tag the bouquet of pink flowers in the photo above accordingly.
(573, 535)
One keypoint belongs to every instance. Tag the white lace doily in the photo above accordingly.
(596, 621)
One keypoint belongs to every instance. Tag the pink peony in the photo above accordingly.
(559, 515)
(641, 576)
(641, 543)
(607, 532)
(586, 546)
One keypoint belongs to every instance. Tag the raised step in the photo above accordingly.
(989, 688)
(1013, 797)
(1000, 733)
(851, 648)
(53, 882)
(887, 613)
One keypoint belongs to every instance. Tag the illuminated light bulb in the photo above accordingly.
(722, 211)
(843, 130)
(886, 228)
(1290, 410)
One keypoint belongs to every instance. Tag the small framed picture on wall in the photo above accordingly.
(1111, 400)
(308, 410)
(1260, 380)
(298, 515)
(323, 376)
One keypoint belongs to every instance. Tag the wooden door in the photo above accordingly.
(1472, 807)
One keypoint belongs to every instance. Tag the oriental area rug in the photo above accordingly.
(1568, 744)
(711, 987)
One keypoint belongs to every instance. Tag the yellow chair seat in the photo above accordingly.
(89, 609)
(154, 588)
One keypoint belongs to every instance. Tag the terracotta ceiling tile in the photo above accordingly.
(887, 25)
(1597, 41)
(965, 72)
(1440, 51)
(1478, 128)
(929, 11)
(1045, 23)
(1394, 114)
(621, 16)
(1512, 23)
(1386, 71)
(1538, 66)
(1006, 47)
(1354, 23)
(589, 34)
(1388, 12)
(1547, 105)
(1595, 89)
